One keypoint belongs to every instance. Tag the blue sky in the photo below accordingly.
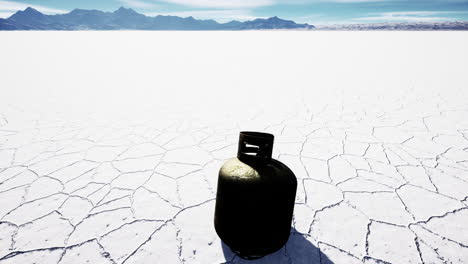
(304, 11)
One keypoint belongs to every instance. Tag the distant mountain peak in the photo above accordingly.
(78, 10)
(274, 23)
(123, 10)
(27, 16)
(30, 10)
(84, 12)
(277, 19)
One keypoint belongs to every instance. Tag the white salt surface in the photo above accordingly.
(110, 143)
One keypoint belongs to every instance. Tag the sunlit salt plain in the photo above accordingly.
(110, 143)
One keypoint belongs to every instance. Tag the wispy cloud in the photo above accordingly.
(350, 1)
(252, 3)
(7, 8)
(412, 16)
(218, 15)
(310, 19)
(6, 14)
(222, 3)
(138, 4)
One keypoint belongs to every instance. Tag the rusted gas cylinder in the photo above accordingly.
(255, 199)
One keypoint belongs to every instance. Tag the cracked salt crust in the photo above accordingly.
(119, 167)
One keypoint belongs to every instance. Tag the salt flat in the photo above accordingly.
(110, 143)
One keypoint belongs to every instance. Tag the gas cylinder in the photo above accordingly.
(255, 199)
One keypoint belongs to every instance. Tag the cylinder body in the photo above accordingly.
(255, 200)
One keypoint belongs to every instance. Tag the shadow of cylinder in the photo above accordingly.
(298, 250)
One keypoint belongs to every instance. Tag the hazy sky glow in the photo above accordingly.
(309, 11)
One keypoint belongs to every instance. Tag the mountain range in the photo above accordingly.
(126, 18)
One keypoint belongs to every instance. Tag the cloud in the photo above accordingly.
(349, 1)
(235, 4)
(138, 4)
(310, 19)
(7, 8)
(6, 14)
(222, 3)
(252, 3)
(218, 15)
(412, 16)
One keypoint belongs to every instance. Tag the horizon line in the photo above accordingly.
(237, 20)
